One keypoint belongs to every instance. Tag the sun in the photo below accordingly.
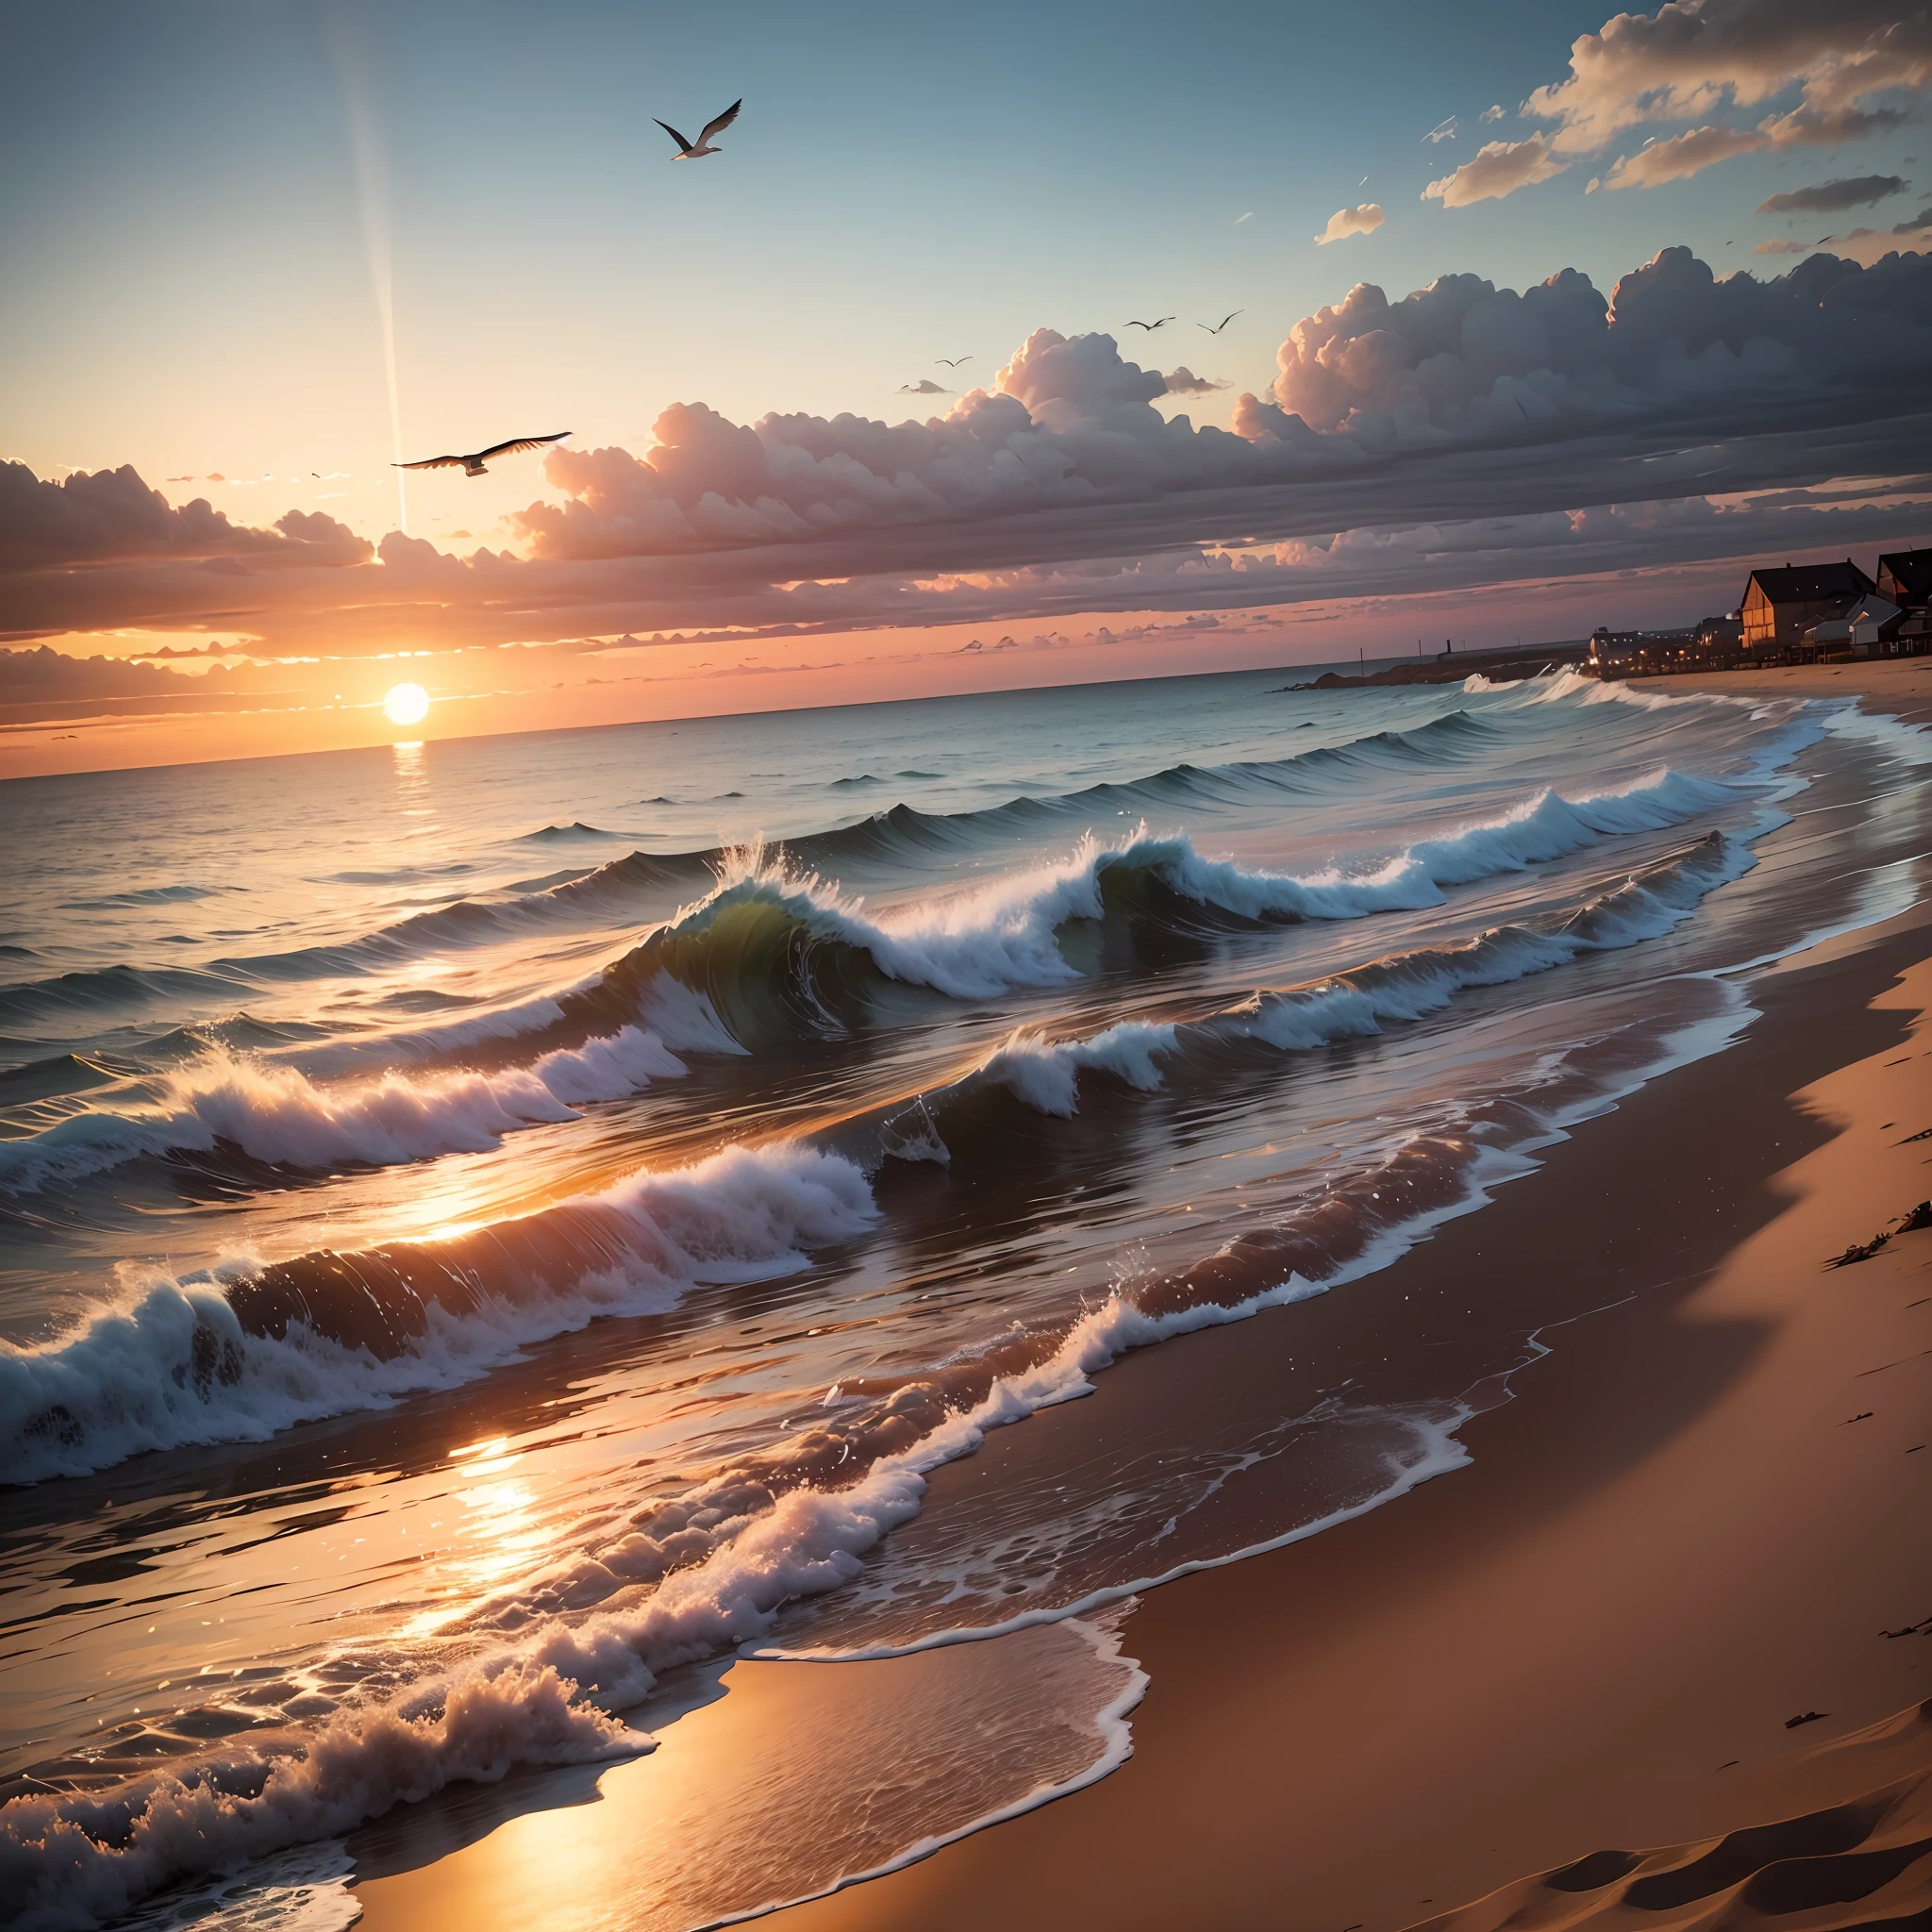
(406, 704)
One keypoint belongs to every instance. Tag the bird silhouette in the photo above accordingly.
(1151, 327)
(472, 465)
(692, 151)
(1221, 324)
(952, 362)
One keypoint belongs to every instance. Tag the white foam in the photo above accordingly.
(277, 1114)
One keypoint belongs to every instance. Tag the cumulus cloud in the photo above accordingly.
(1831, 197)
(1693, 58)
(1681, 156)
(1345, 222)
(1063, 481)
(1184, 382)
(1500, 168)
(1495, 113)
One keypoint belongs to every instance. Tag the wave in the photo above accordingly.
(901, 836)
(87, 996)
(277, 1115)
(776, 955)
(1357, 1004)
(238, 1356)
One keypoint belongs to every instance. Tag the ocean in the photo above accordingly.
(496, 1230)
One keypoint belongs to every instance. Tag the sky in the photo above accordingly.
(1677, 319)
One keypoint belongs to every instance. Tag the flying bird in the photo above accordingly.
(925, 386)
(472, 465)
(687, 151)
(1221, 324)
(952, 362)
(1151, 327)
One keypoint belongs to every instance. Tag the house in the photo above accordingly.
(1873, 626)
(1780, 605)
(1905, 578)
(1721, 637)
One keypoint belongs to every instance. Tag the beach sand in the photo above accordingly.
(1902, 686)
(1688, 1525)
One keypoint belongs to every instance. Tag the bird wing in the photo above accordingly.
(516, 444)
(432, 463)
(1229, 317)
(720, 123)
(683, 144)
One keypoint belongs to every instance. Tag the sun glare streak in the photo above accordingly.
(349, 36)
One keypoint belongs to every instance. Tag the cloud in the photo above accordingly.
(1692, 55)
(1872, 245)
(925, 386)
(1184, 382)
(1062, 486)
(1830, 197)
(1682, 156)
(1345, 222)
(1443, 130)
(112, 514)
(1693, 58)
(1500, 168)
(1783, 247)
(1495, 113)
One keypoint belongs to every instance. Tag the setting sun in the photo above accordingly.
(406, 704)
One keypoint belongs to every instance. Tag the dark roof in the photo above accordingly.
(1813, 583)
(1911, 569)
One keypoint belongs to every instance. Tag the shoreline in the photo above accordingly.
(1378, 1663)
(1671, 1540)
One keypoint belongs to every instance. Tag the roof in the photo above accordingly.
(1812, 583)
(1875, 610)
(1911, 569)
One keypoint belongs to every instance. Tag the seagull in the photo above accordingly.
(685, 151)
(1222, 324)
(952, 362)
(925, 386)
(472, 465)
(1151, 327)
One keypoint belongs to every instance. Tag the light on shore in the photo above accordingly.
(406, 704)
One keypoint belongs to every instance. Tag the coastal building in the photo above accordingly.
(1905, 578)
(1780, 607)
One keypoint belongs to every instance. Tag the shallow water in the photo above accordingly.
(490, 1226)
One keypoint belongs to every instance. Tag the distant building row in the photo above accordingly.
(1793, 615)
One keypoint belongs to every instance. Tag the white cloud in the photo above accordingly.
(1345, 222)
(1184, 382)
(1848, 63)
(1441, 131)
(1495, 113)
(1682, 156)
(1500, 168)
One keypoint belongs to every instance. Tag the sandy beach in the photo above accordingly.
(1680, 1590)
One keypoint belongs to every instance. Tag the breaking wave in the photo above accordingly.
(275, 1114)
